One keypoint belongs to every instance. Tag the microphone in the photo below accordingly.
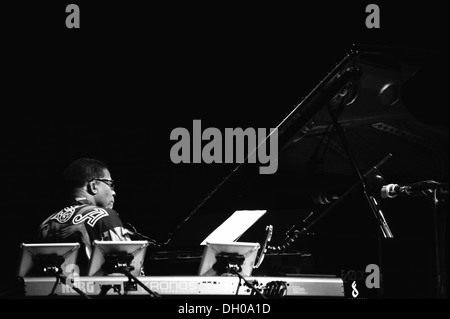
(135, 233)
(391, 191)
(394, 190)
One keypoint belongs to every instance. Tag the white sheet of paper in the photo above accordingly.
(234, 226)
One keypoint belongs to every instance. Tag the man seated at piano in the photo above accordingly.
(88, 214)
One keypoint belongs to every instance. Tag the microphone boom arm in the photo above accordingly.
(353, 188)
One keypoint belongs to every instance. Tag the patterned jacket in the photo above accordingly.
(82, 222)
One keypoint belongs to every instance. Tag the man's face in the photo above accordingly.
(105, 191)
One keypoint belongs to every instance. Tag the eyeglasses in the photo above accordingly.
(108, 182)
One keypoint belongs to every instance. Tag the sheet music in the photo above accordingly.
(233, 228)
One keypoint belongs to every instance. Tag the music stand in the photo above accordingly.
(119, 257)
(37, 260)
(48, 259)
(228, 259)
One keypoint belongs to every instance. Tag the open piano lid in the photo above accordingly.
(375, 81)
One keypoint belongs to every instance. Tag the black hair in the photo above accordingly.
(82, 171)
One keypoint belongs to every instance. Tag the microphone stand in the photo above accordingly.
(439, 244)
(250, 285)
(56, 271)
(130, 276)
(63, 280)
(52, 265)
(231, 264)
(121, 263)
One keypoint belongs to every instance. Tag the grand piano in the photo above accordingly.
(353, 133)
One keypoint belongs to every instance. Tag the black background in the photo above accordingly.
(115, 88)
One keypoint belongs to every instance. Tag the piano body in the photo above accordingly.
(369, 91)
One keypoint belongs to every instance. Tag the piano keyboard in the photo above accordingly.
(187, 285)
